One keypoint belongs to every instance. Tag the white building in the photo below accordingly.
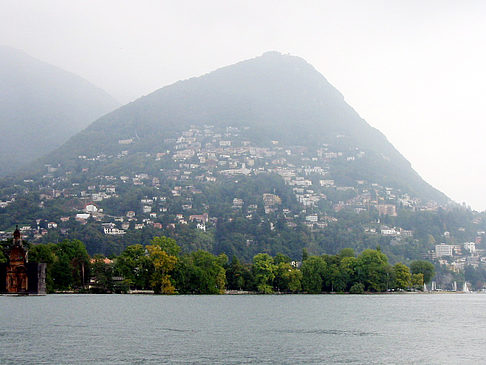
(90, 208)
(470, 246)
(389, 232)
(443, 250)
(312, 218)
(114, 231)
(82, 216)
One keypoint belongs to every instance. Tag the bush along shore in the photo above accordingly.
(162, 268)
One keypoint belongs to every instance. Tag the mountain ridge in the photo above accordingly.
(41, 106)
(279, 96)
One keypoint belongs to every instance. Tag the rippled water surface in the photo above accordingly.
(279, 329)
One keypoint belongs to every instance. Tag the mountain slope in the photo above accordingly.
(41, 106)
(272, 97)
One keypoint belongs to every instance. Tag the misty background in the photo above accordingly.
(412, 69)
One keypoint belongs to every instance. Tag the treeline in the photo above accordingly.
(161, 267)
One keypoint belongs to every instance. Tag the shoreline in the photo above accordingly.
(234, 293)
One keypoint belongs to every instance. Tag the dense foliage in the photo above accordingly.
(237, 234)
(162, 268)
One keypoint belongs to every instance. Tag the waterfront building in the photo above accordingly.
(18, 275)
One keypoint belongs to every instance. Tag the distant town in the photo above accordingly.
(202, 156)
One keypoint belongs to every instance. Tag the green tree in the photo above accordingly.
(74, 252)
(62, 273)
(347, 267)
(347, 252)
(163, 265)
(167, 244)
(102, 275)
(238, 276)
(135, 266)
(163, 253)
(67, 264)
(373, 270)
(423, 267)
(402, 278)
(280, 257)
(313, 270)
(44, 253)
(264, 272)
(357, 288)
(287, 278)
(202, 273)
(335, 280)
(185, 275)
(295, 280)
(418, 281)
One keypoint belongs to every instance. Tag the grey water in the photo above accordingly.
(246, 329)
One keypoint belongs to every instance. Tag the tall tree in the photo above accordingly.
(169, 245)
(238, 275)
(373, 270)
(263, 272)
(164, 264)
(205, 273)
(402, 278)
(418, 281)
(423, 267)
(313, 272)
(72, 254)
(163, 251)
(135, 265)
(347, 267)
(287, 278)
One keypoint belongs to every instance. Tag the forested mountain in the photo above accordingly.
(41, 106)
(264, 156)
(272, 97)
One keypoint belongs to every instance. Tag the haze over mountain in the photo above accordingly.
(41, 106)
(261, 156)
(273, 97)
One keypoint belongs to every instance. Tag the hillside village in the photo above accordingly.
(199, 157)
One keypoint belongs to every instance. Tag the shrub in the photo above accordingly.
(357, 288)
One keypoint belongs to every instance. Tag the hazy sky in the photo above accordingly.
(416, 70)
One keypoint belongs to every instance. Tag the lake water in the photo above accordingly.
(273, 329)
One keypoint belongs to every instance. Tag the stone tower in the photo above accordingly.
(18, 275)
(17, 280)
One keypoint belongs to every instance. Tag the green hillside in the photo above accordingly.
(261, 156)
(272, 97)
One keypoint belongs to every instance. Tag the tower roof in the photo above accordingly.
(16, 233)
